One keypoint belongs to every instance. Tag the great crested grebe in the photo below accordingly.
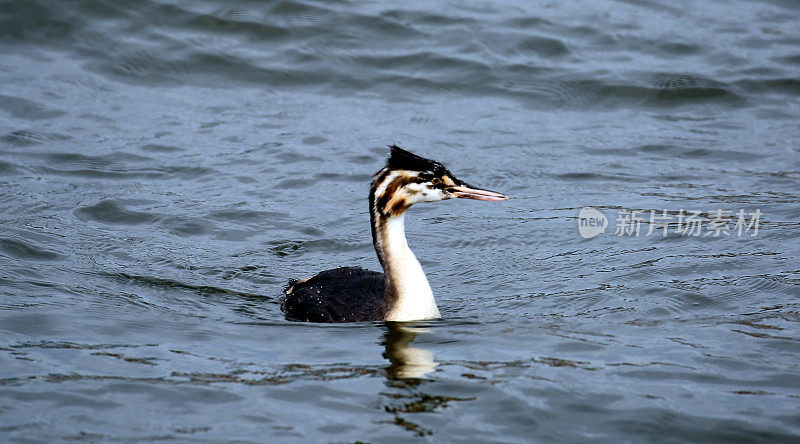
(402, 292)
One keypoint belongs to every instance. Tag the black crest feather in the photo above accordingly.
(400, 159)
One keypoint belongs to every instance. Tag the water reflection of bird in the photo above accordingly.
(402, 292)
(406, 361)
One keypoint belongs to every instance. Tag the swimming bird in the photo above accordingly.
(401, 292)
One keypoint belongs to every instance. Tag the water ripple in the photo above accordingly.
(166, 166)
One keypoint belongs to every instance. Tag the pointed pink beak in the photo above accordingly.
(467, 192)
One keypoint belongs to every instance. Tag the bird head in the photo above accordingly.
(408, 179)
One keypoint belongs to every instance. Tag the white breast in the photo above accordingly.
(414, 295)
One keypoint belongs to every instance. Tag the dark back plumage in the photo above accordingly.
(346, 294)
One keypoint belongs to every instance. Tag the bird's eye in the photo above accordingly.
(436, 181)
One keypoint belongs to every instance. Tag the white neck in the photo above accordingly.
(404, 276)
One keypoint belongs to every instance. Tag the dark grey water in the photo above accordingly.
(166, 166)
